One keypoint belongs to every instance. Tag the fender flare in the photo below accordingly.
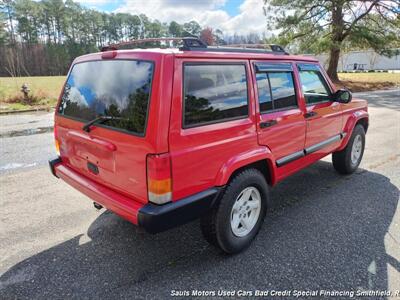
(350, 124)
(246, 158)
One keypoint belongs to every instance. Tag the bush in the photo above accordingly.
(31, 99)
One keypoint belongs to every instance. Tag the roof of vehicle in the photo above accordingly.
(242, 55)
(220, 54)
(192, 47)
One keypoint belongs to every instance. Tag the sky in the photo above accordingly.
(231, 16)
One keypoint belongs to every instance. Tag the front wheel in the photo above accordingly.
(238, 217)
(347, 160)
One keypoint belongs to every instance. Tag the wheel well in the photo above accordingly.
(261, 165)
(364, 123)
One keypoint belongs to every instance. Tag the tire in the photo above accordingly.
(347, 161)
(220, 227)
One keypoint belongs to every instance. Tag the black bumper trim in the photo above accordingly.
(53, 163)
(323, 144)
(156, 218)
(299, 154)
(289, 158)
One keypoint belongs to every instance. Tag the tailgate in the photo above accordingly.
(113, 152)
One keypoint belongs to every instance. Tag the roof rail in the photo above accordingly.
(273, 47)
(239, 50)
(195, 44)
(187, 42)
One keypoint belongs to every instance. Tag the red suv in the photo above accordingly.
(164, 136)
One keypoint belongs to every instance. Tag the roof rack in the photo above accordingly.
(187, 42)
(195, 44)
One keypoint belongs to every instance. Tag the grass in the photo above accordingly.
(44, 91)
(359, 82)
(371, 77)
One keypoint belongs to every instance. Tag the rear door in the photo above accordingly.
(114, 152)
(212, 120)
(324, 117)
(281, 124)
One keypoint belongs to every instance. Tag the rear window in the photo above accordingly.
(214, 93)
(117, 88)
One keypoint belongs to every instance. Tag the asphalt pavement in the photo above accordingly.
(325, 231)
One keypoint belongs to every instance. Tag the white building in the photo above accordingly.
(362, 61)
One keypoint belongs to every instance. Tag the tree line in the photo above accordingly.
(332, 26)
(43, 37)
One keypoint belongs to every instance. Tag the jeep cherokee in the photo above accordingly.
(164, 136)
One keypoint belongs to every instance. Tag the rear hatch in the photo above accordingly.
(113, 150)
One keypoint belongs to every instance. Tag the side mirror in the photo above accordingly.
(342, 96)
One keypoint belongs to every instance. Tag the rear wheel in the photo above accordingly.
(347, 160)
(238, 217)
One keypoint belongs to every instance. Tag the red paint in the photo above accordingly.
(116, 202)
(354, 111)
(198, 158)
(159, 166)
(109, 54)
(86, 139)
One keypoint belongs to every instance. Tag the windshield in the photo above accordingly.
(116, 88)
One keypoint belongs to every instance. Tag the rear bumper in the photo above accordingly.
(157, 218)
(153, 218)
(108, 198)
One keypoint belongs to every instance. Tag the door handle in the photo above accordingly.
(268, 123)
(310, 114)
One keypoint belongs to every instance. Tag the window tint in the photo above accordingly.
(264, 92)
(118, 88)
(314, 86)
(275, 90)
(282, 88)
(213, 93)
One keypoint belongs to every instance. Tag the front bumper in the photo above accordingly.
(153, 218)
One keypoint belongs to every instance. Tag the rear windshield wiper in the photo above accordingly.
(99, 119)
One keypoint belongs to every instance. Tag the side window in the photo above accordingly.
(213, 93)
(275, 90)
(282, 88)
(314, 87)
(264, 92)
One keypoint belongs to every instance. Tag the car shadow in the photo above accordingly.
(383, 99)
(325, 231)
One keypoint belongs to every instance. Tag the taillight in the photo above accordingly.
(56, 142)
(159, 181)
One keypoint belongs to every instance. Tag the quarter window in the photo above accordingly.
(314, 86)
(214, 93)
(275, 90)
